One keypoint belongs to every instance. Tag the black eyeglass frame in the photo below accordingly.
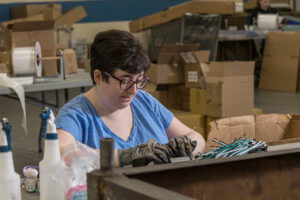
(145, 78)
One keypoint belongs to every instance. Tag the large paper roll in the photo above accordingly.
(267, 21)
(25, 60)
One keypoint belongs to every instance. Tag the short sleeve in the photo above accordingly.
(71, 121)
(165, 115)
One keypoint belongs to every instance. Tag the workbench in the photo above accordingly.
(266, 175)
(227, 35)
(78, 80)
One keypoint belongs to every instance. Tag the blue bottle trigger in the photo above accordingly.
(44, 116)
(51, 132)
(6, 128)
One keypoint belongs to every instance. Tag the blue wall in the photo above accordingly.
(107, 10)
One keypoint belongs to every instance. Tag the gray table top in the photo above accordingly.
(80, 79)
(227, 35)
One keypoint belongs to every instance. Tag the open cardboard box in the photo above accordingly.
(230, 89)
(169, 68)
(270, 128)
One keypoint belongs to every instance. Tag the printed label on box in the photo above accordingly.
(239, 7)
(192, 76)
(188, 57)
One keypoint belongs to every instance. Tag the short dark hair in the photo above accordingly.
(116, 49)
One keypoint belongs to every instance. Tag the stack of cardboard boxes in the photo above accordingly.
(32, 23)
(204, 91)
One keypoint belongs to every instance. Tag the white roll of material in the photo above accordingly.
(267, 21)
(25, 60)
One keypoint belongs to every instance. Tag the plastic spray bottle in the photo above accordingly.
(10, 187)
(51, 153)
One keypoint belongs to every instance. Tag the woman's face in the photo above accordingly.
(116, 97)
(264, 4)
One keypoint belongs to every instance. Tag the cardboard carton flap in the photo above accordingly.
(202, 56)
(32, 26)
(233, 121)
(265, 127)
(167, 52)
(229, 129)
(231, 68)
(189, 58)
(72, 16)
(192, 57)
(272, 127)
(205, 69)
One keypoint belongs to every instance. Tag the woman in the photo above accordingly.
(263, 7)
(143, 129)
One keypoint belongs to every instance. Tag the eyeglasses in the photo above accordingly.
(127, 83)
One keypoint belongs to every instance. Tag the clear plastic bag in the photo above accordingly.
(68, 180)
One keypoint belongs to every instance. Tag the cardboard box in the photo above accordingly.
(169, 68)
(265, 127)
(68, 18)
(3, 68)
(192, 68)
(177, 11)
(198, 101)
(191, 120)
(5, 58)
(208, 121)
(64, 20)
(27, 33)
(256, 111)
(51, 13)
(178, 97)
(230, 89)
(165, 73)
(70, 61)
(32, 9)
(280, 66)
(160, 93)
(85, 64)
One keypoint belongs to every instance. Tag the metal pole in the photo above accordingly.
(106, 153)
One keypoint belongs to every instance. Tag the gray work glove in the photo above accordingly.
(143, 154)
(182, 146)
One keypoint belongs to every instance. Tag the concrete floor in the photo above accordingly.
(25, 150)
(26, 147)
